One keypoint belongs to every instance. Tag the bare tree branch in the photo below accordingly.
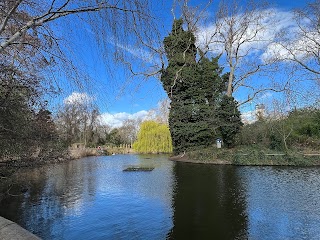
(8, 15)
(53, 15)
(256, 92)
(302, 46)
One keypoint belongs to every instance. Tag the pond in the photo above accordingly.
(93, 198)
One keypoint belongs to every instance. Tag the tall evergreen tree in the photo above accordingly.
(193, 88)
(181, 53)
(230, 120)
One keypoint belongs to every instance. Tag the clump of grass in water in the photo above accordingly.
(138, 169)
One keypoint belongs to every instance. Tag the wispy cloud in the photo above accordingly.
(265, 95)
(144, 54)
(300, 47)
(272, 23)
(138, 52)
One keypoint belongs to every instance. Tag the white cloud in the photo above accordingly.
(248, 117)
(116, 120)
(77, 97)
(138, 52)
(301, 47)
(273, 22)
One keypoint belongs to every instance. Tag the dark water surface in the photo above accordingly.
(93, 198)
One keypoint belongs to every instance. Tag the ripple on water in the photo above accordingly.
(282, 203)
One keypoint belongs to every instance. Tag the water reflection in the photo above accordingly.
(93, 198)
(54, 192)
(208, 203)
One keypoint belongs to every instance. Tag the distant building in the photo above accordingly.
(260, 111)
(252, 116)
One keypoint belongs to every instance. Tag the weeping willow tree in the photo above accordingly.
(153, 137)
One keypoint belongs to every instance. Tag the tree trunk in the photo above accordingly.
(230, 82)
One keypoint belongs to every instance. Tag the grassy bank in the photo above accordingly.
(251, 156)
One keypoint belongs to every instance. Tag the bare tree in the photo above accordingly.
(129, 130)
(300, 46)
(160, 114)
(78, 121)
(36, 48)
(240, 31)
(39, 13)
(29, 36)
(239, 34)
(277, 121)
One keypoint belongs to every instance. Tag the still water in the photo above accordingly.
(93, 198)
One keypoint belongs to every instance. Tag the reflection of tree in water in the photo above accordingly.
(24, 208)
(53, 191)
(208, 203)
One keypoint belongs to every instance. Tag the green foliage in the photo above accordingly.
(230, 121)
(180, 46)
(114, 137)
(211, 155)
(251, 155)
(299, 130)
(307, 122)
(275, 141)
(153, 137)
(194, 88)
(262, 156)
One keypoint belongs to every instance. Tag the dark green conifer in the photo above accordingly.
(230, 120)
(193, 88)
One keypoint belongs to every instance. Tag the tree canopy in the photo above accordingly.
(195, 86)
(153, 137)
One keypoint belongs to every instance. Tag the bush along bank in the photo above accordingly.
(293, 140)
(246, 156)
(270, 157)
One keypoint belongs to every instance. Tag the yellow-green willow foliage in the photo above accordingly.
(153, 137)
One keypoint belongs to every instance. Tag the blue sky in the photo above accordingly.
(115, 92)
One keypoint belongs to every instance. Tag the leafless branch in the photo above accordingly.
(8, 15)
(256, 92)
(53, 15)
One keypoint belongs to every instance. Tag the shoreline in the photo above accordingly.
(186, 159)
(7, 168)
(11, 230)
(239, 165)
(284, 160)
